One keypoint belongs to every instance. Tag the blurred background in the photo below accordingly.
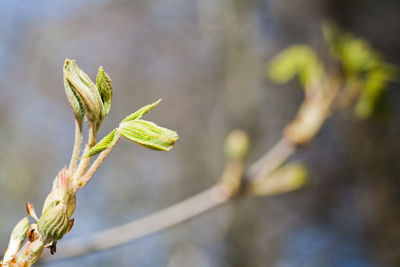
(206, 59)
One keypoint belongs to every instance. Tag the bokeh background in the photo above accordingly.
(206, 60)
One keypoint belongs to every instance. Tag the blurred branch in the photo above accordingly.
(311, 115)
(125, 233)
(176, 214)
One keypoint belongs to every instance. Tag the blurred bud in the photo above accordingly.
(285, 179)
(82, 93)
(18, 236)
(237, 144)
(298, 60)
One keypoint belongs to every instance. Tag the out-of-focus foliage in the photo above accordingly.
(298, 60)
(237, 144)
(362, 67)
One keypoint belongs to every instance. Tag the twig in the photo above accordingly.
(95, 165)
(77, 147)
(84, 163)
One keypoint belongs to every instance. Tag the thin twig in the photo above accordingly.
(77, 147)
(84, 163)
(96, 164)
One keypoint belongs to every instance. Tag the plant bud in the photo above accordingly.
(104, 86)
(57, 209)
(82, 93)
(53, 223)
(284, 179)
(237, 144)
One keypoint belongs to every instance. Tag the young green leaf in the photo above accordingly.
(104, 85)
(139, 113)
(148, 134)
(105, 143)
(374, 86)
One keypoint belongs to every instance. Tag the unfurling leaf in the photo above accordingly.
(141, 112)
(104, 85)
(148, 134)
(105, 143)
(298, 60)
(81, 92)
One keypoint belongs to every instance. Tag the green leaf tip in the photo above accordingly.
(108, 141)
(104, 85)
(141, 112)
(148, 134)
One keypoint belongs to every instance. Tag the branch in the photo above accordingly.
(125, 233)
